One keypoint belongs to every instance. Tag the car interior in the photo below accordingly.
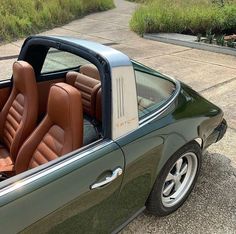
(53, 106)
(41, 121)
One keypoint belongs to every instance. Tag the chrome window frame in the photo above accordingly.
(153, 115)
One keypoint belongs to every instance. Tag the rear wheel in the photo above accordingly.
(175, 181)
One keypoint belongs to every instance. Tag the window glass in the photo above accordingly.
(152, 92)
(57, 60)
(6, 68)
(9, 54)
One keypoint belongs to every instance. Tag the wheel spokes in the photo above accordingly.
(168, 188)
(177, 184)
(170, 177)
(184, 169)
(178, 165)
(179, 179)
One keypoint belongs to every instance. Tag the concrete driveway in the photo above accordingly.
(211, 208)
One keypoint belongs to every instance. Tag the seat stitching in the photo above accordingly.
(15, 114)
(42, 154)
(49, 147)
(34, 159)
(8, 137)
(84, 88)
(12, 121)
(54, 137)
(18, 107)
(9, 128)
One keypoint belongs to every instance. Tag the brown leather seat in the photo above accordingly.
(60, 132)
(90, 70)
(18, 117)
(88, 87)
(98, 108)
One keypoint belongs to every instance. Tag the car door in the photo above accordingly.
(78, 194)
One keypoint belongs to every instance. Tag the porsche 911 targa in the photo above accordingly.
(91, 138)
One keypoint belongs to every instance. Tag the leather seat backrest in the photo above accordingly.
(99, 105)
(90, 70)
(18, 117)
(88, 88)
(60, 132)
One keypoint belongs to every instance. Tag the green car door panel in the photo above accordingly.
(63, 200)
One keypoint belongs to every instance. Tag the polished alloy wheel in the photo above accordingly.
(179, 179)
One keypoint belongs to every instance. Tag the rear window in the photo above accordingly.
(152, 91)
(57, 60)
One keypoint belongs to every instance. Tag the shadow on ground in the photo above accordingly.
(211, 208)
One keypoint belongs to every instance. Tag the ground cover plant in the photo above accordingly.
(23, 17)
(195, 17)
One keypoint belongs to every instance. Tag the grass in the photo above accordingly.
(185, 16)
(19, 18)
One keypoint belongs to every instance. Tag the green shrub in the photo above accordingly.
(138, 1)
(189, 16)
(23, 17)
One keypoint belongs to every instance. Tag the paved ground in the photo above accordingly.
(212, 206)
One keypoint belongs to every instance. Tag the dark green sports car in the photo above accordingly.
(90, 138)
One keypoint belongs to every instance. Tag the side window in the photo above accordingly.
(6, 73)
(57, 60)
(152, 92)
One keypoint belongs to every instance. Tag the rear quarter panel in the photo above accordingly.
(148, 148)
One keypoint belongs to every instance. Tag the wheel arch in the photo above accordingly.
(155, 203)
(177, 142)
(199, 141)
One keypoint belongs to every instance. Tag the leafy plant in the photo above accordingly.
(219, 2)
(231, 43)
(210, 36)
(220, 40)
(181, 16)
(19, 18)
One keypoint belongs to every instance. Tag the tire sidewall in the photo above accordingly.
(154, 202)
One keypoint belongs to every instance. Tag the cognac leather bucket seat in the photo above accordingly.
(18, 117)
(90, 70)
(88, 88)
(60, 132)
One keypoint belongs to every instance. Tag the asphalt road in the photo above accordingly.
(209, 209)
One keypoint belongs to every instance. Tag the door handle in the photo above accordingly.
(116, 173)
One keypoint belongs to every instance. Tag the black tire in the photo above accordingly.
(155, 203)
